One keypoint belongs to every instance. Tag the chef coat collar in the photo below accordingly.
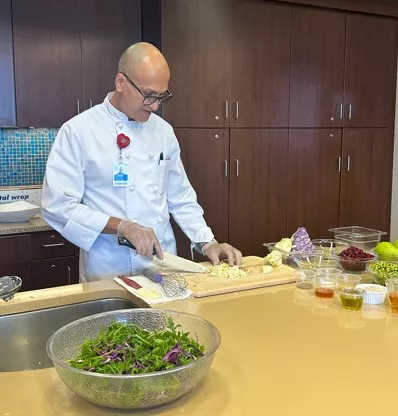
(114, 112)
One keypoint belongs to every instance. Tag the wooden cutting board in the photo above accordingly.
(204, 284)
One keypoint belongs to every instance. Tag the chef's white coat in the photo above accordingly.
(78, 195)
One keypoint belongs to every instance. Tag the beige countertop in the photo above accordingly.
(283, 352)
(35, 224)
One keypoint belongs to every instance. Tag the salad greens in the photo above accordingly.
(125, 348)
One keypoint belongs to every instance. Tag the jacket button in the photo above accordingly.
(132, 188)
(160, 219)
(155, 189)
(151, 155)
(127, 155)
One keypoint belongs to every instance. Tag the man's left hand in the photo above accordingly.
(217, 252)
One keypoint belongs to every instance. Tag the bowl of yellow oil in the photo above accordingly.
(351, 298)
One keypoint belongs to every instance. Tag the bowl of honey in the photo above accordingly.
(324, 286)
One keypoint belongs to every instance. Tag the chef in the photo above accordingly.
(115, 170)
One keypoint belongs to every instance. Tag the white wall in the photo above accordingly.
(394, 205)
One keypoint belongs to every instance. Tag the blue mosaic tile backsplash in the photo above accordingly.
(23, 155)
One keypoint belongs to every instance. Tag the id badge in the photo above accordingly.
(120, 177)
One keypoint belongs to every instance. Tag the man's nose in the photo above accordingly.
(155, 106)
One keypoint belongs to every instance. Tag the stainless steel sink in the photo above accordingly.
(23, 336)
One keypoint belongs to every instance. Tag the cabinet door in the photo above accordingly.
(108, 28)
(22, 270)
(258, 188)
(314, 180)
(53, 272)
(196, 43)
(371, 71)
(15, 249)
(260, 64)
(47, 61)
(366, 178)
(205, 155)
(317, 68)
(7, 87)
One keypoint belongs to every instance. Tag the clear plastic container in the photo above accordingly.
(361, 237)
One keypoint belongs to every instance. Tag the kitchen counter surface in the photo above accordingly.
(283, 352)
(35, 224)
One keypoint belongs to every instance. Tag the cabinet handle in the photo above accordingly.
(69, 278)
(78, 106)
(90, 101)
(237, 166)
(53, 245)
(236, 104)
(338, 165)
(225, 168)
(349, 111)
(216, 136)
(226, 108)
(348, 164)
(341, 112)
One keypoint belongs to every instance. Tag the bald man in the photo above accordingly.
(115, 171)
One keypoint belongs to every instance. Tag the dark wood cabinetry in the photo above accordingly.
(260, 64)
(66, 65)
(7, 95)
(325, 78)
(258, 188)
(317, 68)
(370, 71)
(41, 260)
(366, 178)
(47, 61)
(196, 42)
(314, 180)
(107, 29)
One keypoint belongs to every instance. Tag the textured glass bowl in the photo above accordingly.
(131, 391)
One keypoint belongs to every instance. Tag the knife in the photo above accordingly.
(170, 260)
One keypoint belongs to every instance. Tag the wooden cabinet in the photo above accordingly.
(208, 174)
(219, 55)
(66, 65)
(317, 68)
(196, 42)
(47, 61)
(370, 71)
(53, 272)
(260, 64)
(107, 29)
(314, 180)
(7, 96)
(41, 260)
(258, 188)
(366, 178)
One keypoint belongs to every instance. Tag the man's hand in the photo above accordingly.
(217, 252)
(143, 238)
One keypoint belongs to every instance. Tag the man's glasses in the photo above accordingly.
(150, 99)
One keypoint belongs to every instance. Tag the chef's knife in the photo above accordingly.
(170, 260)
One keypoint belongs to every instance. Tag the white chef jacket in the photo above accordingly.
(78, 196)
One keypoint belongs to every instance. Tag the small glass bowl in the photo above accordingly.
(328, 272)
(355, 265)
(304, 279)
(351, 298)
(313, 261)
(324, 287)
(348, 280)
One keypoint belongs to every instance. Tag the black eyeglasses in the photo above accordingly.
(150, 99)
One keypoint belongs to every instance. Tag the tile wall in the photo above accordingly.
(23, 155)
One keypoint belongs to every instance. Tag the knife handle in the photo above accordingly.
(130, 282)
(124, 242)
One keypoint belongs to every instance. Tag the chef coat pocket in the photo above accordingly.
(163, 173)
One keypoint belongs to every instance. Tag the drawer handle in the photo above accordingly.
(53, 245)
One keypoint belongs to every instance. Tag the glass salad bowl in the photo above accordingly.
(132, 391)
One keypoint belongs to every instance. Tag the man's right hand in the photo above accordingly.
(143, 238)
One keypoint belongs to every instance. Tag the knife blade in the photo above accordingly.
(170, 260)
